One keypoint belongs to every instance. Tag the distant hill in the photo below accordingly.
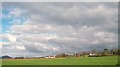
(6, 57)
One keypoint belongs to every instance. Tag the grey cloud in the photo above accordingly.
(66, 27)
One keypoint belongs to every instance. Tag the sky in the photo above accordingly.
(60, 0)
(49, 28)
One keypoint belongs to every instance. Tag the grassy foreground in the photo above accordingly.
(108, 60)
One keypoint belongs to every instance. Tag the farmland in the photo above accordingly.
(107, 60)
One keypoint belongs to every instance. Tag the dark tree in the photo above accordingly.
(106, 51)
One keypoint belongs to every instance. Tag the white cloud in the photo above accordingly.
(16, 12)
(5, 43)
(20, 47)
(11, 38)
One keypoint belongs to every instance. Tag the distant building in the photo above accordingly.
(93, 55)
(50, 57)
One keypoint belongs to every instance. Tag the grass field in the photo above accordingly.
(109, 60)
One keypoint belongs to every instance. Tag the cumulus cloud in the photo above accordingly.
(53, 28)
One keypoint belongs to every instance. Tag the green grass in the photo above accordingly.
(109, 60)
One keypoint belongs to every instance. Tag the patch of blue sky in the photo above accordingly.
(4, 40)
(5, 11)
(5, 25)
(8, 22)
(52, 33)
(5, 20)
